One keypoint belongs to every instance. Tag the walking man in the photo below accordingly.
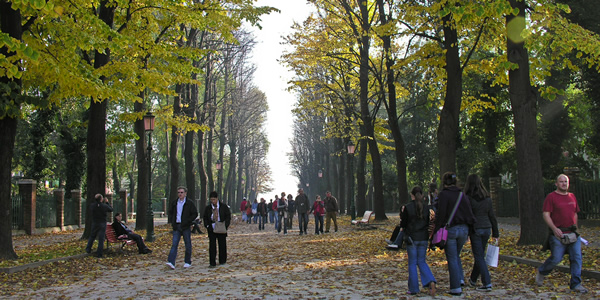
(302, 206)
(560, 214)
(182, 213)
(215, 212)
(331, 209)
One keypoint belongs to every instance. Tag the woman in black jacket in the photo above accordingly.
(485, 224)
(415, 224)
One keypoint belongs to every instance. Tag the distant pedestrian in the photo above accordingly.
(182, 213)
(262, 214)
(291, 210)
(248, 212)
(99, 209)
(415, 224)
(485, 224)
(255, 214)
(271, 211)
(302, 206)
(331, 210)
(215, 212)
(243, 209)
(282, 213)
(276, 212)
(458, 229)
(560, 214)
(318, 209)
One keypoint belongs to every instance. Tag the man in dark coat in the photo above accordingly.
(182, 212)
(215, 212)
(99, 209)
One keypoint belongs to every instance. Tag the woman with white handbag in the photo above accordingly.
(485, 224)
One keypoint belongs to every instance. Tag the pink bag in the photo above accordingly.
(440, 237)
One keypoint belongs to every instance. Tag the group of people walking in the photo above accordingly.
(465, 214)
(469, 214)
(282, 210)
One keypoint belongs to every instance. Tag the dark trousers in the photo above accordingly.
(303, 221)
(98, 230)
(212, 248)
(139, 240)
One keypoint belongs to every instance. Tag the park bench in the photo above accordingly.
(111, 238)
(364, 222)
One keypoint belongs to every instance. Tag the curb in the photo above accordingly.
(535, 263)
(20, 268)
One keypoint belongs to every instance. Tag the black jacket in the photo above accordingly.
(224, 215)
(188, 214)
(416, 228)
(484, 214)
(446, 200)
(119, 229)
(99, 211)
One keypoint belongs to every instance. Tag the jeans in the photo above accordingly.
(187, 240)
(98, 230)
(261, 222)
(558, 250)
(244, 216)
(417, 252)
(399, 239)
(457, 237)
(318, 228)
(271, 217)
(303, 221)
(276, 220)
(282, 221)
(479, 240)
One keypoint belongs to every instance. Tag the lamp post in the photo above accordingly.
(149, 127)
(351, 148)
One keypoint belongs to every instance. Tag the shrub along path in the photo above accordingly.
(349, 264)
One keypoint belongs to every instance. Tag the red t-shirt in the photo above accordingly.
(562, 208)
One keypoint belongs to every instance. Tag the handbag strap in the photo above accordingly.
(454, 209)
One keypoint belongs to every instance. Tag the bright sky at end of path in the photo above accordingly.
(272, 78)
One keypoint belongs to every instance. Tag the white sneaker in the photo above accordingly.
(539, 279)
(187, 265)
(170, 265)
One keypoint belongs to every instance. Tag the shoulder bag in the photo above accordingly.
(441, 236)
(220, 227)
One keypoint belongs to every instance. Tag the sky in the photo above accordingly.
(272, 78)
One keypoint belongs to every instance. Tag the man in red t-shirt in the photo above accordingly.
(560, 214)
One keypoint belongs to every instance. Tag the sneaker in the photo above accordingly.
(392, 246)
(580, 289)
(388, 242)
(539, 279)
(484, 288)
(472, 283)
(212, 266)
(172, 266)
(187, 265)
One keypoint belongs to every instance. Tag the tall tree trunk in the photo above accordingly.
(143, 169)
(523, 100)
(393, 112)
(365, 41)
(447, 134)
(361, 183)
(174, 146)
(96, 137)
(8, 127)
(202, 172)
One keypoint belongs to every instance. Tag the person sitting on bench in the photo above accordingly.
(122, 229)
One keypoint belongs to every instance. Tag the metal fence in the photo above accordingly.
(17, 212)
(45, 211)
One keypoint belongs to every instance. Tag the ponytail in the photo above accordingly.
(418, 193)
